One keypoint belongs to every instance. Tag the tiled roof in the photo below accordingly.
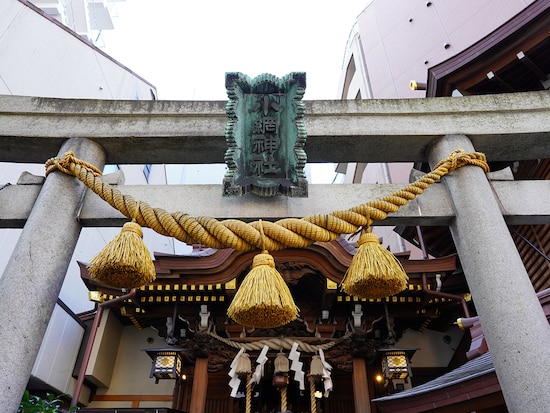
(474, 368)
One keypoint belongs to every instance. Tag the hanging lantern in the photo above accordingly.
(166, 363)
(396, 362)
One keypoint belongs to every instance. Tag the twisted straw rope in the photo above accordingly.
(312, 398)
(241, 236)
(280, 343)
(248, 395)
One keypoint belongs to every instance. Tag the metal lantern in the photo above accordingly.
(166, 364)
(395, 362)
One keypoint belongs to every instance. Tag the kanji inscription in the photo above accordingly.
(265, 135)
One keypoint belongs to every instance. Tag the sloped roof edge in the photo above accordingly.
(474, 368)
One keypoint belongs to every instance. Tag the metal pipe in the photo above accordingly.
(91, 339)
(445, 295)
(425, 281)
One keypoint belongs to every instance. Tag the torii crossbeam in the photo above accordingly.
(505, 127)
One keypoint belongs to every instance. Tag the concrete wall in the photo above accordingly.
(55, 361)
(131, 373)
(41, 57)
(436, 349)
(401, 40)
(394, 42)
(104, 352)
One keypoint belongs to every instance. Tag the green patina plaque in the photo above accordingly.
(265, 135)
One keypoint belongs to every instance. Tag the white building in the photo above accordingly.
(389, 51)
(46, 51)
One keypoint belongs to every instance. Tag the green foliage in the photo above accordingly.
(37, 404)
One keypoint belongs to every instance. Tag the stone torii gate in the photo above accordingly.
(505, 127)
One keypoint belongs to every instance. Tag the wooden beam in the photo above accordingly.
(200, 386)
(360, 386)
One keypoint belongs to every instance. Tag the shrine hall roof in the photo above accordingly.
(479, 366)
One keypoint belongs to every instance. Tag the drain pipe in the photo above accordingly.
(91, 339)
(439, 294)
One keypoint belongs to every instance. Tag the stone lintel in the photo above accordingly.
(511, 126)
(522, 202)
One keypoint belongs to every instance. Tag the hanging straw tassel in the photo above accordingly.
(374, 271)
(316, 368)
(263, 299)
(282, 365)
(125, 262)
(280, 378)
(281, 369)
(244, 366)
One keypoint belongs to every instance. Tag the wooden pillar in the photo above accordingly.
(513, 321)
(35, 272)
(361, 396)
(200, 386)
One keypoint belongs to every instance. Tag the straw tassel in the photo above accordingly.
(282, 365)
(263, 299)
(374, 271)
(244, 366)
(316, 367)
(125, 262)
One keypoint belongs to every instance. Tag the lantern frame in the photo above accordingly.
(167, 363)
(396, 362)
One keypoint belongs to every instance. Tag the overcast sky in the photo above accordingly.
(184, 47)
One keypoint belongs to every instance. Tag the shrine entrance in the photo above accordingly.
(266, 398)
(478, 211)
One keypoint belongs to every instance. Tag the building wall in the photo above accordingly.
(130, 376)
(394, 42)
(401, 40)
(55, 361)
(39, 56)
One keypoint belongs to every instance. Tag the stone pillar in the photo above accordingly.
(361, 396)
(35, 272)
(516, 329)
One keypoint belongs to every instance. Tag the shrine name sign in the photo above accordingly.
(265, 135)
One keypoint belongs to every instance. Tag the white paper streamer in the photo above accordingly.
(297, 365)
(328, 386)
(327, 369)
(235, 382)
(259, 372)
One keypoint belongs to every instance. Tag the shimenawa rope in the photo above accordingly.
(241, 236)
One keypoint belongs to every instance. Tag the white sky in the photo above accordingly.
(184, 47)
